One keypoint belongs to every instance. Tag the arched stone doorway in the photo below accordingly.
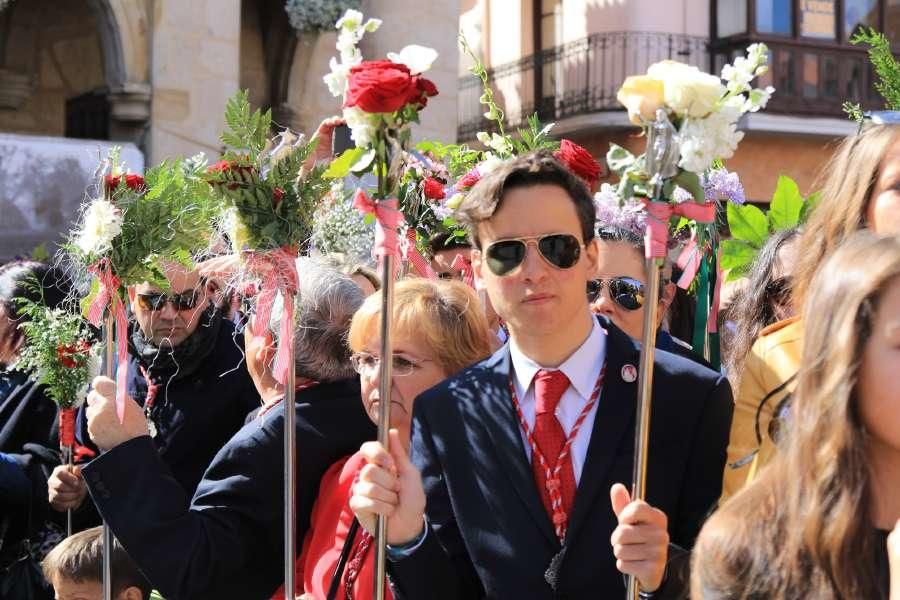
(75, 69)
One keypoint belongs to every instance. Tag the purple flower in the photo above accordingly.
(615, 212)
(720, 184)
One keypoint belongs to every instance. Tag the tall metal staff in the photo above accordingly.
(109, 340)
(290, 467)
(661, 157)
(384, 373)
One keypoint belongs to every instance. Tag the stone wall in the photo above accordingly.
(52, 52)
(43, 181)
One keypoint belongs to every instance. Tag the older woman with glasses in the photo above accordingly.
(438, 328)
(618, 290)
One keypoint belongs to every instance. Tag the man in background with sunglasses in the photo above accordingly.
(185, 369)
(525, 459)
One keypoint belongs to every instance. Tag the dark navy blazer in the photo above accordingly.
(227, 542)
(490, 536)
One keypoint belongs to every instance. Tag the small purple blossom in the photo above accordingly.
(612, 211)
(721, 184)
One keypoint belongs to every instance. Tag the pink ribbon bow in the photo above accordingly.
(464, 266)
(109, 296)
(415, 257)
(656, 239)
(278, 271)
(387, 220)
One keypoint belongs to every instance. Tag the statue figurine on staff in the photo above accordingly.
(690, 121)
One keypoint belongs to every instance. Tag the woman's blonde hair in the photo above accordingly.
(803, 529)
(846, 183)
(445, 315)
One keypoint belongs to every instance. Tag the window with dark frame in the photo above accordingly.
(813, 66)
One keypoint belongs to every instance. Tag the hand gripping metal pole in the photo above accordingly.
(384, 409)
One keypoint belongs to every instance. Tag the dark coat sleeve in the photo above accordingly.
(439, 569)
(223, 547)
(706, 463)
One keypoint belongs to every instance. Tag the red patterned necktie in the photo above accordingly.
(550, 438)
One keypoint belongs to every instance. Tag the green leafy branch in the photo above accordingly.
(245, 131)
(751, 227)
(886, 68)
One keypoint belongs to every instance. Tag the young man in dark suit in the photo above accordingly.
(512, 460)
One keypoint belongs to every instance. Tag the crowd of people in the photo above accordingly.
(509, 468)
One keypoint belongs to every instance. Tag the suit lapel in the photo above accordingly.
(614, 420)
(504, 432)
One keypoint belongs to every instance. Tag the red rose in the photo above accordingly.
(65, 355)
(424, 89)
(277, 194)
(469, 179)
(579, 161)
(112, 182)
(381, 86)
(219, 167)
(433, 189)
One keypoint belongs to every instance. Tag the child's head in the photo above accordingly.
(75, 569)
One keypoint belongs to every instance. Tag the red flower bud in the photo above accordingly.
(433, 189)
(277, 195)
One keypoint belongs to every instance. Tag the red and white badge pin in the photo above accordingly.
(629, 373)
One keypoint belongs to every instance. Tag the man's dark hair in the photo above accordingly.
(535, 168)
(446, 241)
(79, 558)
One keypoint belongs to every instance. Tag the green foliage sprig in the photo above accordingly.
(886, 68)
(59, 352)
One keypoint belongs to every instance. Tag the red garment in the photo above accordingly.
(329, 524)
(549, 387)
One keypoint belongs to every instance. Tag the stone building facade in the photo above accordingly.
(156, 74)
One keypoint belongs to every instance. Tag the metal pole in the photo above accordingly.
(290, 473)
(384, 409)
(110, 339)
(70, 460)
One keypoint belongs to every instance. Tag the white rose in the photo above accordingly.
(418, 58)
(102, 223)
(687, 90)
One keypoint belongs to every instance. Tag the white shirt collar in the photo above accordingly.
(582, 367)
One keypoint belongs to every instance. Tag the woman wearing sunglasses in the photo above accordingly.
(617, 291)
(822, 521)
(438, 328)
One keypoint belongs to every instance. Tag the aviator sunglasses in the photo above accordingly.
(183, 301)
(624, 291)
(561, 250)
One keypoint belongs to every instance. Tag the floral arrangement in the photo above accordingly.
(61, 354)
(690, 119)
(381, 99)
(316, 15)
(139, 222)
(703, 110)
(751, 227)
(270, 194)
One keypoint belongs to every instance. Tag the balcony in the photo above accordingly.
(576, 78)
(810, 78)
(582, 77)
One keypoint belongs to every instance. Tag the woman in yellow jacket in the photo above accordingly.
(860, 189)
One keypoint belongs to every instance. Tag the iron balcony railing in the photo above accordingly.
(581, 77)
(575, 78)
